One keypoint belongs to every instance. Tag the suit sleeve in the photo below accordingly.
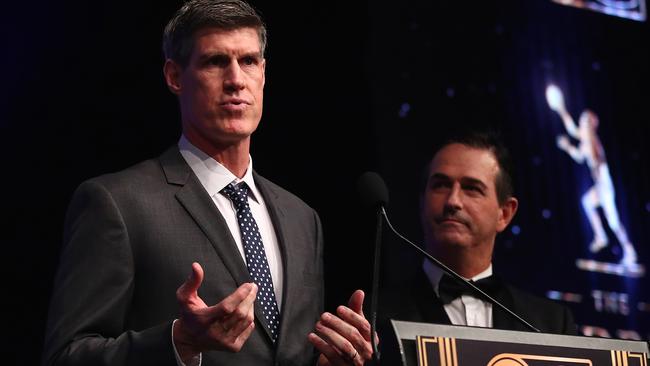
(93, 290)
(319, 259)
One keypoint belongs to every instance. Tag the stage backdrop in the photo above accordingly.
(353, 86)
(568, 87)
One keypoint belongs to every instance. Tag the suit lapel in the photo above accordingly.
(277, 211)
(199, 205)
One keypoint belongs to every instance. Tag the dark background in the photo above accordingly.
(351, 86)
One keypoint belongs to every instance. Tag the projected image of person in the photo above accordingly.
(589, 150)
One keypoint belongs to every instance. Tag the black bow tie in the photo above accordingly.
(450, 288)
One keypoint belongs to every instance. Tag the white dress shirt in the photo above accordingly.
(466, 309)
(214, 177)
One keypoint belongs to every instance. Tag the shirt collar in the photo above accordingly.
(213, 175)
(434, 274)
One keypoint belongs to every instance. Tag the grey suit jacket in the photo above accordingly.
(130, 239)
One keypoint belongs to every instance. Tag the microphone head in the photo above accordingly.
(373, 190)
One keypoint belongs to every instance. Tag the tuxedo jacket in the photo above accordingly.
(417, 302)
(129, 242)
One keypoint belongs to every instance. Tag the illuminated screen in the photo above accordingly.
(631, 9)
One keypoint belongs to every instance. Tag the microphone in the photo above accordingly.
(373, 190)
(375, 194)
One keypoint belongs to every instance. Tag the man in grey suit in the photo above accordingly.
(122, 294)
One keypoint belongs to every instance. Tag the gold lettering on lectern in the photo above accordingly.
(515, 359)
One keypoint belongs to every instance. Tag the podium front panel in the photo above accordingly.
(444, 345)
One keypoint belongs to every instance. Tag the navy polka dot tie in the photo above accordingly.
(256, 261)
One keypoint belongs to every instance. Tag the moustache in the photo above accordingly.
(453, 217)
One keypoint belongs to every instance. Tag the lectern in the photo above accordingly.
(445, 345)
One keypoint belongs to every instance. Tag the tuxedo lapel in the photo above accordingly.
(500, 318)
(433, 311)
(429, 305)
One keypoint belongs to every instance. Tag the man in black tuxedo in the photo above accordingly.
(466, 200)
(253, 251)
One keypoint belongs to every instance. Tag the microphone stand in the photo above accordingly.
(450, 272)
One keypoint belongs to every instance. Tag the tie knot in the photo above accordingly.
(449, 288)
(237, 193)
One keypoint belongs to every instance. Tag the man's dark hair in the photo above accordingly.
(178, 38)
(490, 141)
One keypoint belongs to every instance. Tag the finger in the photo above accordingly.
(331, 356)
(357, 321)
(243, 336)
(323, 361)
(356, 301)
(228, 342)
(343, 337)
(228, 305)
(358, 337)
(356, 305)
(193, 281)
(187, 293)
(343, 351)
(243, 315)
